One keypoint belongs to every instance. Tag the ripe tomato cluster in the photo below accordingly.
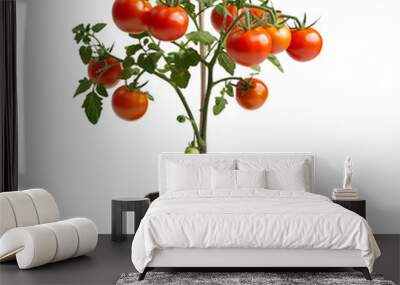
(166, 23)
(251, 45)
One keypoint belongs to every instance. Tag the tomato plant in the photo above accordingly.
(129, 105)
(247, 34)
(251, 93)
(167, 23)
(130, 15)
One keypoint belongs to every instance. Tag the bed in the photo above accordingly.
(247, 210)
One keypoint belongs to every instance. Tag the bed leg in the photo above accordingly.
(364, 271)
(143, 274)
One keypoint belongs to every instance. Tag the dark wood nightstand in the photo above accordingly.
(357, 206)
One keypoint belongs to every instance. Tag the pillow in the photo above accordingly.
(282, 174)
(251, 178)
(188, 177)
(287, 179)
(223, 179)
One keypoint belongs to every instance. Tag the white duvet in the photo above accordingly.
(250, 219)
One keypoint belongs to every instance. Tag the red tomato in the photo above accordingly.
(281, 38)
(106, 72)
(129, 15)
(249, 47)
(306, 44)
(217, 19)
(251, 93)
(258, 13)
(129, 105)
(167, 23)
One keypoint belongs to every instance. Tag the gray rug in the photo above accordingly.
(253, 278)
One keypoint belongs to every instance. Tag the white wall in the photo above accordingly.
(345, 102)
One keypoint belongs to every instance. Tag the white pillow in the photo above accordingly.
(223, 179)
(292, 178)
(188, 177)
(282, 174)
(251, 178)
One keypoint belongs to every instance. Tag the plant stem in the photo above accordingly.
(204, 109)
(203, 67)
(185, 105)
(299, 24)
(210, 82)
(227, 78)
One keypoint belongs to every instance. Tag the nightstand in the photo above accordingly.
(357, 206)
(119, 207)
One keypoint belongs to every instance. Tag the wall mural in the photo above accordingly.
(246, 33)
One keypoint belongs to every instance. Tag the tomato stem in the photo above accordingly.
(226, 79)
(297, 21)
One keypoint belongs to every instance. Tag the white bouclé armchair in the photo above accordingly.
(32, 233)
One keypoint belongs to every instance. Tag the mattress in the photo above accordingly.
(250, 219)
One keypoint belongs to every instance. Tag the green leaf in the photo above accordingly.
(227, 63)
(183, 59)
(149, 96)
(275, 61)
(188, 6)
(153, 46)
(181, 118)
(149, 61)
(84, 85)
(191, 57)
(126, 73)
(220, 104)
(229, 90)
(78, 37)
(256, 68)
(128, 62)
(132, 49)
(78, 28)
(139, 36)
(86, 39)
(180, 77)
(208, 3)
(85, 54)
(93, 107)
(202, 37)
(240, 3)
(98, 27)
(101, 90)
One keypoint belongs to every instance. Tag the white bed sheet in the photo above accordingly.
(250, 218)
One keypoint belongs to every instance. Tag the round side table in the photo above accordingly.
(119, 207)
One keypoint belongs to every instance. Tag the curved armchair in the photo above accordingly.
(32, 233)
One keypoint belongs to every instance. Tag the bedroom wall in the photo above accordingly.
(344, 103)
